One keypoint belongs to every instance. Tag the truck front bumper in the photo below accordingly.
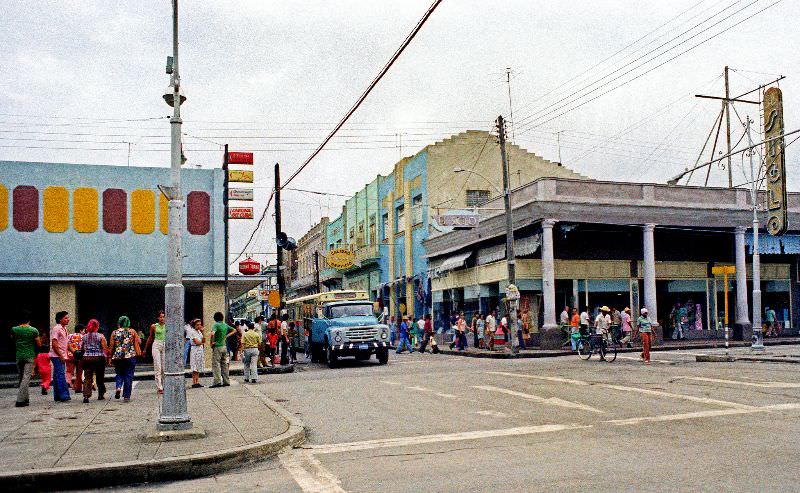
(353, 348)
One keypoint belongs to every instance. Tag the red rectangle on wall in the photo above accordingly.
(198, 213)
(115, 211)
(240, 158)
(26, 208)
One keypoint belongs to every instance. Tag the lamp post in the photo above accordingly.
(173, 414)
(758, 336)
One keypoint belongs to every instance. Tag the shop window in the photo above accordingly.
(476, 198)
(385, 226)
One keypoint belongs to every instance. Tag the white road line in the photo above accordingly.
(683, 416)
(550, 401)
(492, 413)
(446, 396)
(389, 382)
(444, 437)
(623, 388)
(308, 472)
(765, 385)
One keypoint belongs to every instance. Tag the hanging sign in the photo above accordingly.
(240, 194)
(240, 213)
(777, 200)
(250, 267)
(341, 258)
(240, 158)
(240, 176)
(456, 219)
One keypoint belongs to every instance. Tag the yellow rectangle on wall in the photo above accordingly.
(240, 176)
(143, 211)
(3, 207)
(84, 210)
(163, 213)
(56, 209)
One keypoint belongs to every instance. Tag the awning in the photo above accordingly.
(774, 245)
(455, 261)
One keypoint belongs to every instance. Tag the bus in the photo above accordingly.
(340, 324)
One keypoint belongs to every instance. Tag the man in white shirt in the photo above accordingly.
(491, 327)
(563, 319)
(603, 321)
(585, 321)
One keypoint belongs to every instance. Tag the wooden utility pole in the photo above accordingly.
(510, 257)
(279, 260)
(316, 270)
(728, 127)
(225, 187)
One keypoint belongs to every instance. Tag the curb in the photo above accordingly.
(754, 359)
(156, 470)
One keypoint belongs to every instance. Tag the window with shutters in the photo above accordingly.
(416, 207)
(476, 198)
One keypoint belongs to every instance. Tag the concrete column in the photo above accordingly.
(213, 301)
(409, 224)
(742, 330)
(63, 297)
(550, 333)
(650, 273)
(576, 295)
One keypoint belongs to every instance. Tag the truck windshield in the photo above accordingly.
(361, 310)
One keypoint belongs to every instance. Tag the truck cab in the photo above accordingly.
(347, 328)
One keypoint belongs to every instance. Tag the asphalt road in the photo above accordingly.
(428, 423)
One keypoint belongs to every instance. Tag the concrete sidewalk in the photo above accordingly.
(57, 446)
(667, 345)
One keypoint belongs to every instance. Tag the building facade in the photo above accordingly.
(307, 259)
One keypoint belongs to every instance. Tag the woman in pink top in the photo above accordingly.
(58, 356)
(627, 330)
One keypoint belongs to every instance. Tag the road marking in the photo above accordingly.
(492, 413)
(765, 385)
(683, 416)
(308, 472)
(446, 396)
(623, 388)
(444, 437)
(389, 382)
(550, 401)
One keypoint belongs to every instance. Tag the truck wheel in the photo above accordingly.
(383, 356)
(315, 353)
(333, 360)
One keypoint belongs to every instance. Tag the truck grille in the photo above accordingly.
(361, 334)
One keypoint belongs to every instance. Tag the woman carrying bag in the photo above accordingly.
(125, 348)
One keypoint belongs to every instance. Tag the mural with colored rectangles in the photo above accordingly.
(92, 219)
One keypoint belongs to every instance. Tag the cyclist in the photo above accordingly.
(602, 322)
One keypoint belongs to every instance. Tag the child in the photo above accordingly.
(196, 352)
(42, 365)
(434, 346)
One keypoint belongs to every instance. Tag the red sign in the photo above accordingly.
(240, 213)
(240, 158)
(249, 267)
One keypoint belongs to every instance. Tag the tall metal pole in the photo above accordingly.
(316, 271)
(510, 258)
(174, 414)
(225, 199)
(758, 335)
(728, 127)
(279, 260)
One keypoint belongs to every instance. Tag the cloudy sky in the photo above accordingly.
(82, 82)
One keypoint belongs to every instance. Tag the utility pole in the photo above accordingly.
(316, 270)
(558, 145)
(758, 336)
(510, 258)
(728, 127)
(173, 412)
(225, 186)
(510, 106)
(279, 260)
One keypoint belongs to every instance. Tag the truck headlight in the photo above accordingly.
(384, 335)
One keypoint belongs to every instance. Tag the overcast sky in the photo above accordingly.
(274, 77)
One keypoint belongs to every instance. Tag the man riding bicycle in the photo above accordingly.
(602, 323)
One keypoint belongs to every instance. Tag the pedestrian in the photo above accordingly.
(473, 327)
(404, 342)
(420, 331)
(125, 348)
(259, 327)
(427, 331)
(232, 343)
(220, 358)
(646, 333)
(284, 339)
(26, 338)
(43, 365)
(58, 357)
(584, 318)
(616, 323)
(294, 341)
(564, 318)
(74, 354)
(504, 327)
(491, 327)
(393, 330)
(480, 326)
(602, 322)
(627, 330)
(520, 337)
(155, 342)
(461, 333)
(95, 352)
(187, 344)
(197, 352)
(250, 341)
(769, 315)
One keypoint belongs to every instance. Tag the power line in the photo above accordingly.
(363, 96)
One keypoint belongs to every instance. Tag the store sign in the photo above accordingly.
(240, 194)
(727, 270)
(240, 158)
(240, 213)
(341, 258)
(456, 219)
(777, 200)
(240, 176)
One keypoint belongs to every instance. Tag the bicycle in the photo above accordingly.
(605, 347)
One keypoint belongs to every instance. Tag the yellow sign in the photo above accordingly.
(777, 200)
(719, 270)
(274, 299)
(341, 258)
(240, 176)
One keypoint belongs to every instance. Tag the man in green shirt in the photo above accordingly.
(646, 333)
(26, 338)
(220, 364)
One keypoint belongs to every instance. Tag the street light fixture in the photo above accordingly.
(472, 171)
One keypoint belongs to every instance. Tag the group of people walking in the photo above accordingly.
(413, 334)
(74, 361)
(609, 322)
